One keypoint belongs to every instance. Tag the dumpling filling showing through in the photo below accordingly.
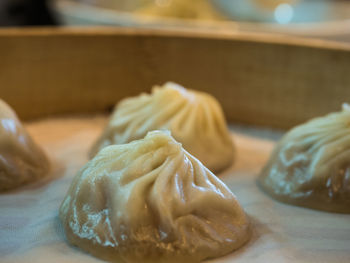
(21, 160)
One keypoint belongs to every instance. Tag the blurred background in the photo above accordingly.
(325, 19)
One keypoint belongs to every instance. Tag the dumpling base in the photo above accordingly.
(147, 253)
(317, 200)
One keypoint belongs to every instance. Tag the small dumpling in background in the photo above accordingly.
(310, 166)
(194, 118)
(194, 9)
(151, 201)
(21, 160)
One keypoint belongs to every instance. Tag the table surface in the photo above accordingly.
(30, 230)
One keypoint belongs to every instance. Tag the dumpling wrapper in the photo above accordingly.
(151, 201)
(310, 166)
(194, 118)
(21, 160)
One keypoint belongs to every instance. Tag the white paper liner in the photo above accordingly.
(30, 230)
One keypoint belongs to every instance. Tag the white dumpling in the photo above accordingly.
(310, 166)
(194, 118)
(151, 201)
(21, 160)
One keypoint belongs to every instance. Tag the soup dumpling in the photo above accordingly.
(151, 201)
(21, 159)
(310, 166)
(194, 118)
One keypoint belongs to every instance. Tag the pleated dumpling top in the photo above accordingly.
(310, 166)
(152, 201)
(194, 118)
(21, 159)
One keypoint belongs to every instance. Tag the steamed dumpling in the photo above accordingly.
(21, 160)
(311, 165)
(194, 118)
(151, 201)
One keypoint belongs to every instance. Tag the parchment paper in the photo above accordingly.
(30, 230)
